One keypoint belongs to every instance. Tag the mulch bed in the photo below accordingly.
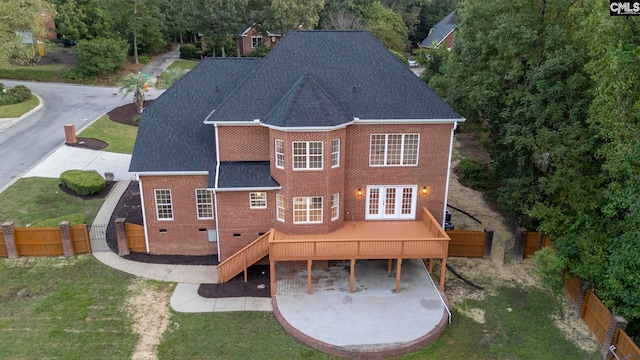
(257, 277)
(126, 113)
(100, 195)
(89, 143)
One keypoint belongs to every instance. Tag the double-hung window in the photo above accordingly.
(280, 207)
(394, 149)
(307, 155)
(279, 154)
(204, 204)
(307, 210)
(256, 41)
(335, 206)
(335, 153)
(258, 200)
(164, 207)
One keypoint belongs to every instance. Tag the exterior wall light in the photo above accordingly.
(425, 190)
(359, 192)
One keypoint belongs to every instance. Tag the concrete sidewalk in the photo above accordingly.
(185, 298)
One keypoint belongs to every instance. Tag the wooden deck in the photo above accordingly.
(422, 239)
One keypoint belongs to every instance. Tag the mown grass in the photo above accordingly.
(64, 309)
(526, 332)
(34, 73)
(120, 137)
(183, 64)
(17, 110)
(33, 200)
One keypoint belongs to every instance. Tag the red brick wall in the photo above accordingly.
(449, 40)
(305, 183)
(238, 218)
(433, 157)
(183, 235)
(243, 143)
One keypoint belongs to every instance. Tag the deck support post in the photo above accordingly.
(398, 271)
(272, 277)
(442, 272)
(389, 265)
(430, 265)
(309, 262)
(352, 271)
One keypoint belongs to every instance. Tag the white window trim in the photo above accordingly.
(308, 210)
(204, 203)
(335, 206)
(336, 153)
(253, 198)
(256, 37)
(155, 195)
(281, 202)
(307, 156)
(281, 142)
(386, 147)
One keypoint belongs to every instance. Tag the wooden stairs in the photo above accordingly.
(244, 258)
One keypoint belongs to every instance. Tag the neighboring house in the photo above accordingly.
(441, 33)
(328, 136)
(251, 36)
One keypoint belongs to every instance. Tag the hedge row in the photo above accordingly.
(15, 95)
(83, 182)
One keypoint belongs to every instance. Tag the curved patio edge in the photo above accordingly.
(372, 351)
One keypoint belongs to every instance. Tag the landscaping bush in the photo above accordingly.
(74, 219)
(100, 56)
(142, 59)
(259, 51)
(15, 95)
(188, 51)
(83, 182)
(475, 174)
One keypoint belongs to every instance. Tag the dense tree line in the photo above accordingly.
(555, 86)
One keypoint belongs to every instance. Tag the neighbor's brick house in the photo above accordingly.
(251, 36)
(329, 128)
(441, 33)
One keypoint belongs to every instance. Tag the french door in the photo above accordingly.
(390, 202)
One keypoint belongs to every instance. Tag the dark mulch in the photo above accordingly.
(128, 207)
(100, 195)
(257, 275)
(126, 113)
(173, 259)
(89, 143)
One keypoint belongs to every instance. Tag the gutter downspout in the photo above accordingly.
(446, 190)
(144, 214)
(215, 194)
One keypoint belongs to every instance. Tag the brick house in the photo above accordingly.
(441, 33)
(251, 36)
(342, 136)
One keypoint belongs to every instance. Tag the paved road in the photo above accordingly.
(160, 64)
(30, 140)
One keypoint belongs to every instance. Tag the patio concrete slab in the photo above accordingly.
(373, 317)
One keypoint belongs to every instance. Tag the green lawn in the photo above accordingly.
(120, 137)
(183, 64)
(64, 309)
(32, 200)
(527, 332)
(17, 110)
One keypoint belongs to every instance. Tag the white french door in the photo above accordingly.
(390, 202)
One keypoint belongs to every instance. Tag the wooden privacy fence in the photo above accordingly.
(44, 241)
(607, 328)
(469, 243)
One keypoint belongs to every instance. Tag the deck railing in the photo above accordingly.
(244, 258)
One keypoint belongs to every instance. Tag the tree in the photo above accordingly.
(286, 15)
(170, 77)
(386, 25)
(100, 56)
(136, 84)
(550, 267)
(342, 20)
(20, 15)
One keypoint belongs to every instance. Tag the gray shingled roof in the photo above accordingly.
(172, 135)
(440, 30)
(244, 174)
(351, 67)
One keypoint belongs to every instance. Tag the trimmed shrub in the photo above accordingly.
(83, 182)
(74, 219)
(188, 51)
(15, 95)
(142, 59)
